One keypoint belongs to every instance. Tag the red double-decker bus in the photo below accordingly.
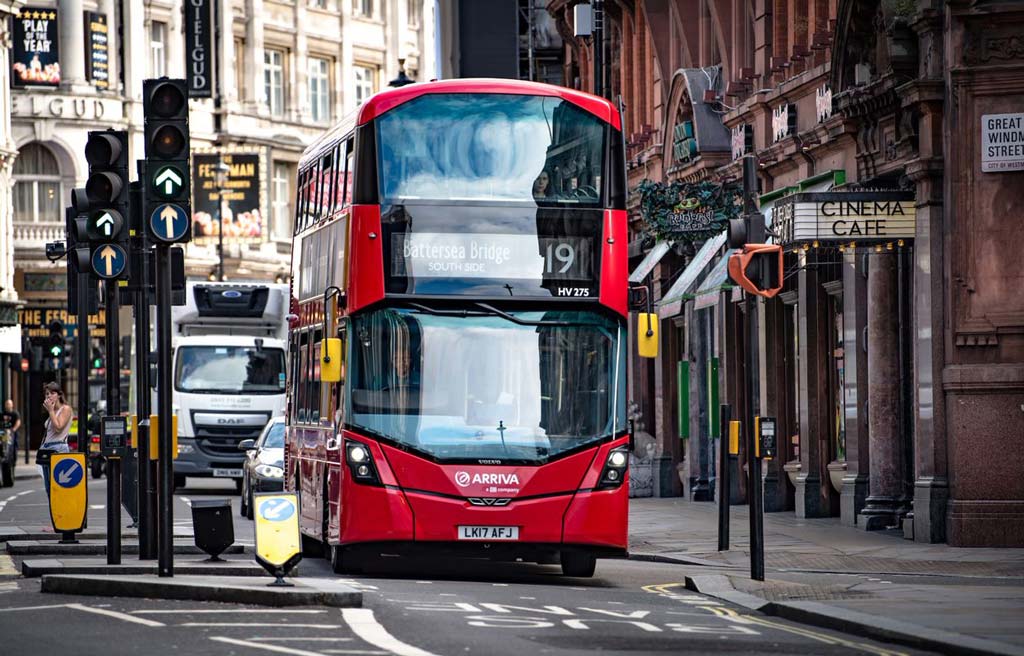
(460, 258)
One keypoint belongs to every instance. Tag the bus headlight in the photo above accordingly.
(614, 471)
(269, 471)
(360, 463)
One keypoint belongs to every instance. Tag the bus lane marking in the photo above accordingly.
(280, 649)
(366, 627)
(262, 625)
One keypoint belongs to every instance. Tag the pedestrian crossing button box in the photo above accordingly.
(114, 437)
(767, 437)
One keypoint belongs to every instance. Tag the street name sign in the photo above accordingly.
(1002, 142)
(67, 492)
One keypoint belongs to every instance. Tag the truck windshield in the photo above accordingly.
(483, 386)
(229, 370)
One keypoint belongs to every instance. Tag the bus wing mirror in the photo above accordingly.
(647, 335)
(331, 363)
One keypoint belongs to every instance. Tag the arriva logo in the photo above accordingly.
(463, 478)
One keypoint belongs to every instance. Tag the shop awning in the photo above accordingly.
(672, 302)
(714, 284)
(649, 262)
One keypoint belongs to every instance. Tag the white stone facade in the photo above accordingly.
(317, 59)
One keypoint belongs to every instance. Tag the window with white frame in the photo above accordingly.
(273, 80)
(364, 7)
(318, 4)
(158, 49)
(280, 187)
(37, 187)
(320, 89)
(366, 82)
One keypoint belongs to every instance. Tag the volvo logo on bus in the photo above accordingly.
(464, 478)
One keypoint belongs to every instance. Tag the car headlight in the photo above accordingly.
(269, 471)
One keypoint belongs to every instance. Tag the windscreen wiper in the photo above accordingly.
(486, 309)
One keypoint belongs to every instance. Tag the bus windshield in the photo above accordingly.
(229, 370)
(491, 147)
(484, 387)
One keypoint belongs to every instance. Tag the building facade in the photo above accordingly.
(289, 70)
(886, 142)
(10, 329)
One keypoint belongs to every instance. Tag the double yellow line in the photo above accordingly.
(730, 615)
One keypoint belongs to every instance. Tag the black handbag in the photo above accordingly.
(43, 456)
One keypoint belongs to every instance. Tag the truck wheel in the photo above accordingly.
(96, 467)
(179, 481)
(579, 565)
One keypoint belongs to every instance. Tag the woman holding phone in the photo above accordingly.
(58, 426)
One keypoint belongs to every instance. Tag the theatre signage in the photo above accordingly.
(845, 216)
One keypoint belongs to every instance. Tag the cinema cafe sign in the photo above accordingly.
(845, 216)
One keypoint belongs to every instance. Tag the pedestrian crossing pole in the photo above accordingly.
(755, 234)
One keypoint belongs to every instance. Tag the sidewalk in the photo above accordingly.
(819, 571)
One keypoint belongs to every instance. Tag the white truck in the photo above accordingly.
(229, 343)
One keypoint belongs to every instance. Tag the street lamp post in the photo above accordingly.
(222, 179)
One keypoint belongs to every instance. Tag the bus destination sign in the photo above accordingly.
(493, 256)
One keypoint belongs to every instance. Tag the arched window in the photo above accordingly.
(37, 188)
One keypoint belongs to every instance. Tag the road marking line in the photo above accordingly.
(262, 625)
(116, 615)
(185, 611)
(6, 610)
(276, 639)
(7, 567)
(99, 507)
(353, 651)
(256, 645)
(365, 626)
(24, 493)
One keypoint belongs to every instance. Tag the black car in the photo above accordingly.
(263, 469)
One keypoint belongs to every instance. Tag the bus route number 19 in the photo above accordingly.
(560, 255)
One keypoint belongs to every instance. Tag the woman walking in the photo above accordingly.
(57, 428)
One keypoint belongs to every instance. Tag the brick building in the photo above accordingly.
(886, 136)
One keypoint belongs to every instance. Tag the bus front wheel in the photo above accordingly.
(577, 564)
(342, 560)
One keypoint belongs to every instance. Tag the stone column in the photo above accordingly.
(773, 396)
(814, 408)
(883, 393)
(255, 99)
(855, 480)
(72, 38)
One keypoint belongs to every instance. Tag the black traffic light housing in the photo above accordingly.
(55, 346)
(166, 185)
(100, 208)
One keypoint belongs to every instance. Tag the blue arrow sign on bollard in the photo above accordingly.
(168, 222)
(109, 260)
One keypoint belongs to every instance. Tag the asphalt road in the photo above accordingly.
(411, 608)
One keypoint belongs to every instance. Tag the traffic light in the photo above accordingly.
(758, 269)
(168, 213)
(96, 361)
(55, 347)
(101, 207)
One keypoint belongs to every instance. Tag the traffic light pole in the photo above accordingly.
(165, 565)
(82, 361)
(724, 417)
(113, 409)
(755, 234)
(143, 393)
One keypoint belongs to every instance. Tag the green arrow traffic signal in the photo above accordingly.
(168, 182)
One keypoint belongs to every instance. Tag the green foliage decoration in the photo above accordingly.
(687, 211)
